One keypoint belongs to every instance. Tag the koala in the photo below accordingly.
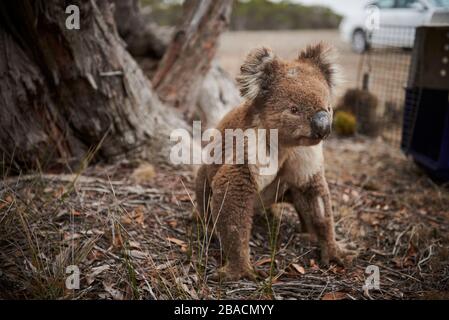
(293, 97)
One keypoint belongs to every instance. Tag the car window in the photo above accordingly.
(405, 3)
(440, 3)
(385, 4)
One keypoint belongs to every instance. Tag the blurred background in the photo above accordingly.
(374, 40)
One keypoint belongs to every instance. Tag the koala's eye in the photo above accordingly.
(294, 109)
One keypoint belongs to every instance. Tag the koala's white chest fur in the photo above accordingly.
(300, 164)
(303, 163)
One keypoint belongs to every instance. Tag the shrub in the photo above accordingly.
(345, 123)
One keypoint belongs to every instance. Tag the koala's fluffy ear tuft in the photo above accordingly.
(324, 57)
(255, 73)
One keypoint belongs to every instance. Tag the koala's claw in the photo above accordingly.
(345, 256)
(339, 255)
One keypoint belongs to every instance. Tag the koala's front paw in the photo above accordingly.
(228, 273)
(338, 254)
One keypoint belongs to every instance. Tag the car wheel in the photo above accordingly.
(359, 42)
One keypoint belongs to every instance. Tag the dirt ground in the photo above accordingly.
(287, 44)
(129, 230)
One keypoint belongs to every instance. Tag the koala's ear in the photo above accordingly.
(256, 73)
(324, 57)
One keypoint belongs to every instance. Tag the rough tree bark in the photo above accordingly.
(65, 91)
(186, 62)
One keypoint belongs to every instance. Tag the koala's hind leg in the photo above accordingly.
(232, 208)
(203, 193)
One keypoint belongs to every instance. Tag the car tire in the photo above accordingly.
(359, 42)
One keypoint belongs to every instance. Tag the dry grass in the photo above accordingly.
(139, 241)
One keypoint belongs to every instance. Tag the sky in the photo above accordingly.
(343, 7)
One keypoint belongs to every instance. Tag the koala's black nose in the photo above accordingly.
(321, 125)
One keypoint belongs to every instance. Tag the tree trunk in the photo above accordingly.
(218, 93)
(186, 62)
(142, 38)
(64, 92)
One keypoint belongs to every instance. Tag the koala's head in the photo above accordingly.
(291, 96)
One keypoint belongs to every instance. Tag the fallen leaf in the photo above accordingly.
(172, 223)
(136, 216)
(181, 198)
(313, 265)
(95, 255)
(116, 294)
(412, 251)
(59, 192)
(262, 261)
(134, 244)
(138, 254)
(76, 213)
(139, 217)
(8, 200)
(299, 268)
(71, 236)
(192, 292)
(126, 219)
(337, 270)
(337, 295)
(176, 241)
(164, 265)
(95, 272)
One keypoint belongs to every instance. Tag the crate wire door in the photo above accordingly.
(384, 72)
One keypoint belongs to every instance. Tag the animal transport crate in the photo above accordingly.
(425, 134)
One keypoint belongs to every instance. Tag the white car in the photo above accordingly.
(392, 22)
